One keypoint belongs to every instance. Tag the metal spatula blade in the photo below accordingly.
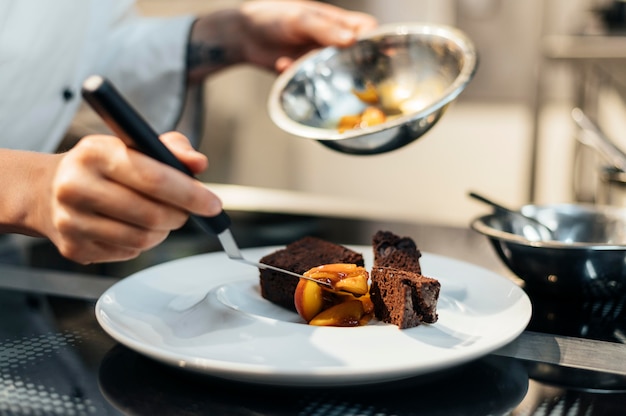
(131, 127)
(233, 252)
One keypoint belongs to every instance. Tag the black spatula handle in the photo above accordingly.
(131, 127)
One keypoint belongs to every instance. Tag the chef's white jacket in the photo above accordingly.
(49, 47)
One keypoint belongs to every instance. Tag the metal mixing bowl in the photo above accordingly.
(587, 256)
(416, 69)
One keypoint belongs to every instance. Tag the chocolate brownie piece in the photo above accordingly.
(404, 298)
(391, 250)
(298, 257)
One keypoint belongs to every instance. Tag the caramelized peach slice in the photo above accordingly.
(356, 284)
(343, 277)
(368, 309)
(349, 122)
(308, 299)
(369, 95)
(347, 313)
(372, 116)
(368, 305)
(347, 303)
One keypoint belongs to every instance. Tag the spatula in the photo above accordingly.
(131, 127)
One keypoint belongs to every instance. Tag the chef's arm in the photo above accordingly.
(213, 45)
(269, 34)
(21, 170)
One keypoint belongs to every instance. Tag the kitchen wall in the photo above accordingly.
(483, 143)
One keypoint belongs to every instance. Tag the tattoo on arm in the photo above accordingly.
(201, 54)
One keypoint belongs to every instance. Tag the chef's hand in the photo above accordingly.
(107, 202)
(270, 34)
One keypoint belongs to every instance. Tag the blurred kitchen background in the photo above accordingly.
(509, 136)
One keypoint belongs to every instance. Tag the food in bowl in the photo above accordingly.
(371, 116)
(411, 72)
(398, 293)
(368, 95)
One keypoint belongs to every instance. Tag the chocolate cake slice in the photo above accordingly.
(298, 257)
(391, 250)
(400, 293)
(403, 298)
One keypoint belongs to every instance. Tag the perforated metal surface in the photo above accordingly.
(48, 362)
(549, 400)
(44, 375)
(20, 395)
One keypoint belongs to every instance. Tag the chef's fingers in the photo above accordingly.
(329, 25)
(144, 175)
(178, 144)
(87, 238)
(110, 199)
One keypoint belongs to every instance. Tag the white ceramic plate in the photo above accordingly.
(205, 313)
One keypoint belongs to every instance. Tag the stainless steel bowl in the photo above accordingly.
(587, 256)
(416, 69)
